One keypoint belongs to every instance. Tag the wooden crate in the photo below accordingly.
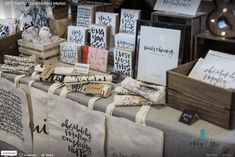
(9, 46)
(205, 41)
(47, 53)
(212, 103)
(196, 25)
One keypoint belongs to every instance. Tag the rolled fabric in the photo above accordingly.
(130, 100)
(27, 70)
(122, 91)
(73, 79)
(15, 60)
(154, 95)
(105, 91)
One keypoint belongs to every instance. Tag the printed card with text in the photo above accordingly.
(108, 19)
(158, 53)
(188, 7)
(99, 36)
(128, 21)
(216, 69)
(70, 53)
(7, 28)
(125, 41)
(98, 59)
(123, 62)
(77, 35)
(85, 15)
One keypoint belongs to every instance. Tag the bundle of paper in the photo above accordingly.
(96, 85)
(216, 69)
(133, 92)
(18, 65)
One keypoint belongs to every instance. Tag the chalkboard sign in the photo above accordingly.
(99, 36)
(77, 35)
(188, 117)
(188, 7)
(128, 21)
(123, 62)
(109, 19)
(85, 15)
(70, 53)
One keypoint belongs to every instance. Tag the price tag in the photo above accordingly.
(188, 117)
(46, 73)
(82, 68)
(94, 88)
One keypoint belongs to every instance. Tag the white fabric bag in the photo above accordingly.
(74, 130)
(126, 138)
(40, 117)
(14, 117)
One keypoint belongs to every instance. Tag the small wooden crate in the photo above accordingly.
(47, 53)
(212, 103)
(196, 23)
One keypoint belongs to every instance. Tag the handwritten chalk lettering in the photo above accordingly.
(98, 59)
(69, 53)
(84, 16)
(78, 139)
(219, 77)
(178, 3)
(129, 21)
(123, 62)
(98, 37)
(104, 20)
(159, 51)
(11, 113)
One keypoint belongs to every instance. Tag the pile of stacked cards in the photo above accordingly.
(73, 80)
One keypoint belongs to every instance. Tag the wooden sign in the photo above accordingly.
(70, 53)
(85, 15)
(125, 41)
(99, 36)
(109, 19)
(98, 59)
(123, 62)
(128, 21)
(77, 35)
(158, 53)
(188, 7)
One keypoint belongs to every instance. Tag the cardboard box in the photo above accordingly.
(212, 103)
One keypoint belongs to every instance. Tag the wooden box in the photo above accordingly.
(206, 41)
(9, 46)
(196, 25)
(212, 103)
(47, 53)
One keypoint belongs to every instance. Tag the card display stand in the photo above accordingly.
(197, 24)
(213, 104)
(206, 41)
(48, 53)
(9, 46)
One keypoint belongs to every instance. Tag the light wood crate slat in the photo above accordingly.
(39, 54)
